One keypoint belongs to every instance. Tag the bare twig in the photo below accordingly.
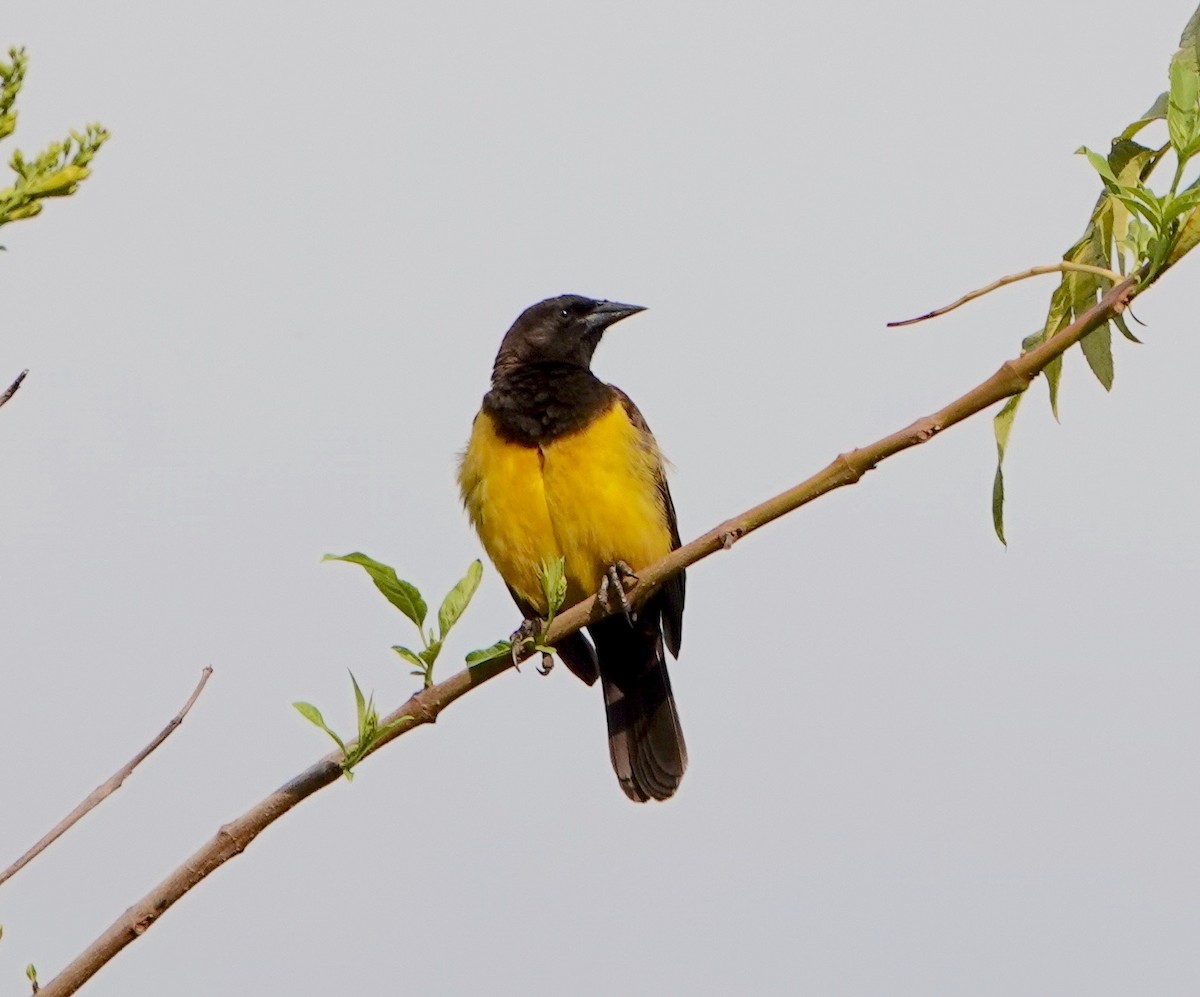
(1012, 278)
(232, 839)
(107, 788)
(12, 388)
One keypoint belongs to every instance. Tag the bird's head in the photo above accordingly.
(564, 330)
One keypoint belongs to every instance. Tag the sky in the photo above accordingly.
(920, 762)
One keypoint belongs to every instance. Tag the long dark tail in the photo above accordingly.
(644, 737)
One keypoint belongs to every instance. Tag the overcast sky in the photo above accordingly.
(919, 763)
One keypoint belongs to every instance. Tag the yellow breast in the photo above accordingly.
(590, 497)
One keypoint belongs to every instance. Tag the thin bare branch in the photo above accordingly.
(423, 707)
(12, 388)
(1012, 278)
(106, 788)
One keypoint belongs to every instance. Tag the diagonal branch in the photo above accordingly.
(1061, 267)
(12, 388)
(232, 839)
(106, 788)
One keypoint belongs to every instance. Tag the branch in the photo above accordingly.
(1012, 278)
(12, 388)
(423, 707)
(105, 789)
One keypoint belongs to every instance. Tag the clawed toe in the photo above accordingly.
(527, 631)
(616, 580)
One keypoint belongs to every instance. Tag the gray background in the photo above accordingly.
(919, 763)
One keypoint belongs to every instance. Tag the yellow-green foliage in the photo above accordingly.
(55, 172)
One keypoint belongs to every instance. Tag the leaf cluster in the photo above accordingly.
(55, 172)
(370, 733)
(407, 598)
(1133, 230)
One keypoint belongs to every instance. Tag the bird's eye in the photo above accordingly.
(564, 313)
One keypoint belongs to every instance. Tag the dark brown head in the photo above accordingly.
(564, 330)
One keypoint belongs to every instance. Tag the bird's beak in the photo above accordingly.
(605, 313)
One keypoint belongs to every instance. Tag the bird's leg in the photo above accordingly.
(616, 579)
(530, 630)
(527, 631)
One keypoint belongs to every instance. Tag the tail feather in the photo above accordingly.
(645, 741)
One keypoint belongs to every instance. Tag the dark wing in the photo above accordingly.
(575, 651)
(670, 597)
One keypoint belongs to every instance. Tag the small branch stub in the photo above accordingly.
(12, 388)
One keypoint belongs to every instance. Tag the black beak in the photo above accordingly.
(606, 313)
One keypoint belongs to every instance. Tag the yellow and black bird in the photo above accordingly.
(560, 464)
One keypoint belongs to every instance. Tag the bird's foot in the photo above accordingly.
(616, 580)
(528, 632)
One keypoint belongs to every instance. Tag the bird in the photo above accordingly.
(560, 464)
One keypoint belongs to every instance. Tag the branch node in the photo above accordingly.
(850, 470)
(926, 429)
(143, 924)
(731, 536)
(1017, 380)
(1122, 302)
(225, 831)
(421, 711)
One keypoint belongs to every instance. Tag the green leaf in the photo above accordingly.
(1157, 111)
(1119, 322)
(1099, 164)
(313, 716)
(553, 575)
(1097, 347)
(394, 725)
(1127, 160)
(1033, 340)
(458, 598)
(502, 648)
(1057, 318)
(360, 704)
(429, 654)
(1185, 202)
(1053, 371)
(998, 504)
(1184, 98)
(1002, 426)
(401, 594)
(1083, 289)
(409, 656)
(311, 713)
(1190, 39)
(1143, 203)
(1188, 238)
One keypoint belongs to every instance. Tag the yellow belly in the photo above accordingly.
(591, 498)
